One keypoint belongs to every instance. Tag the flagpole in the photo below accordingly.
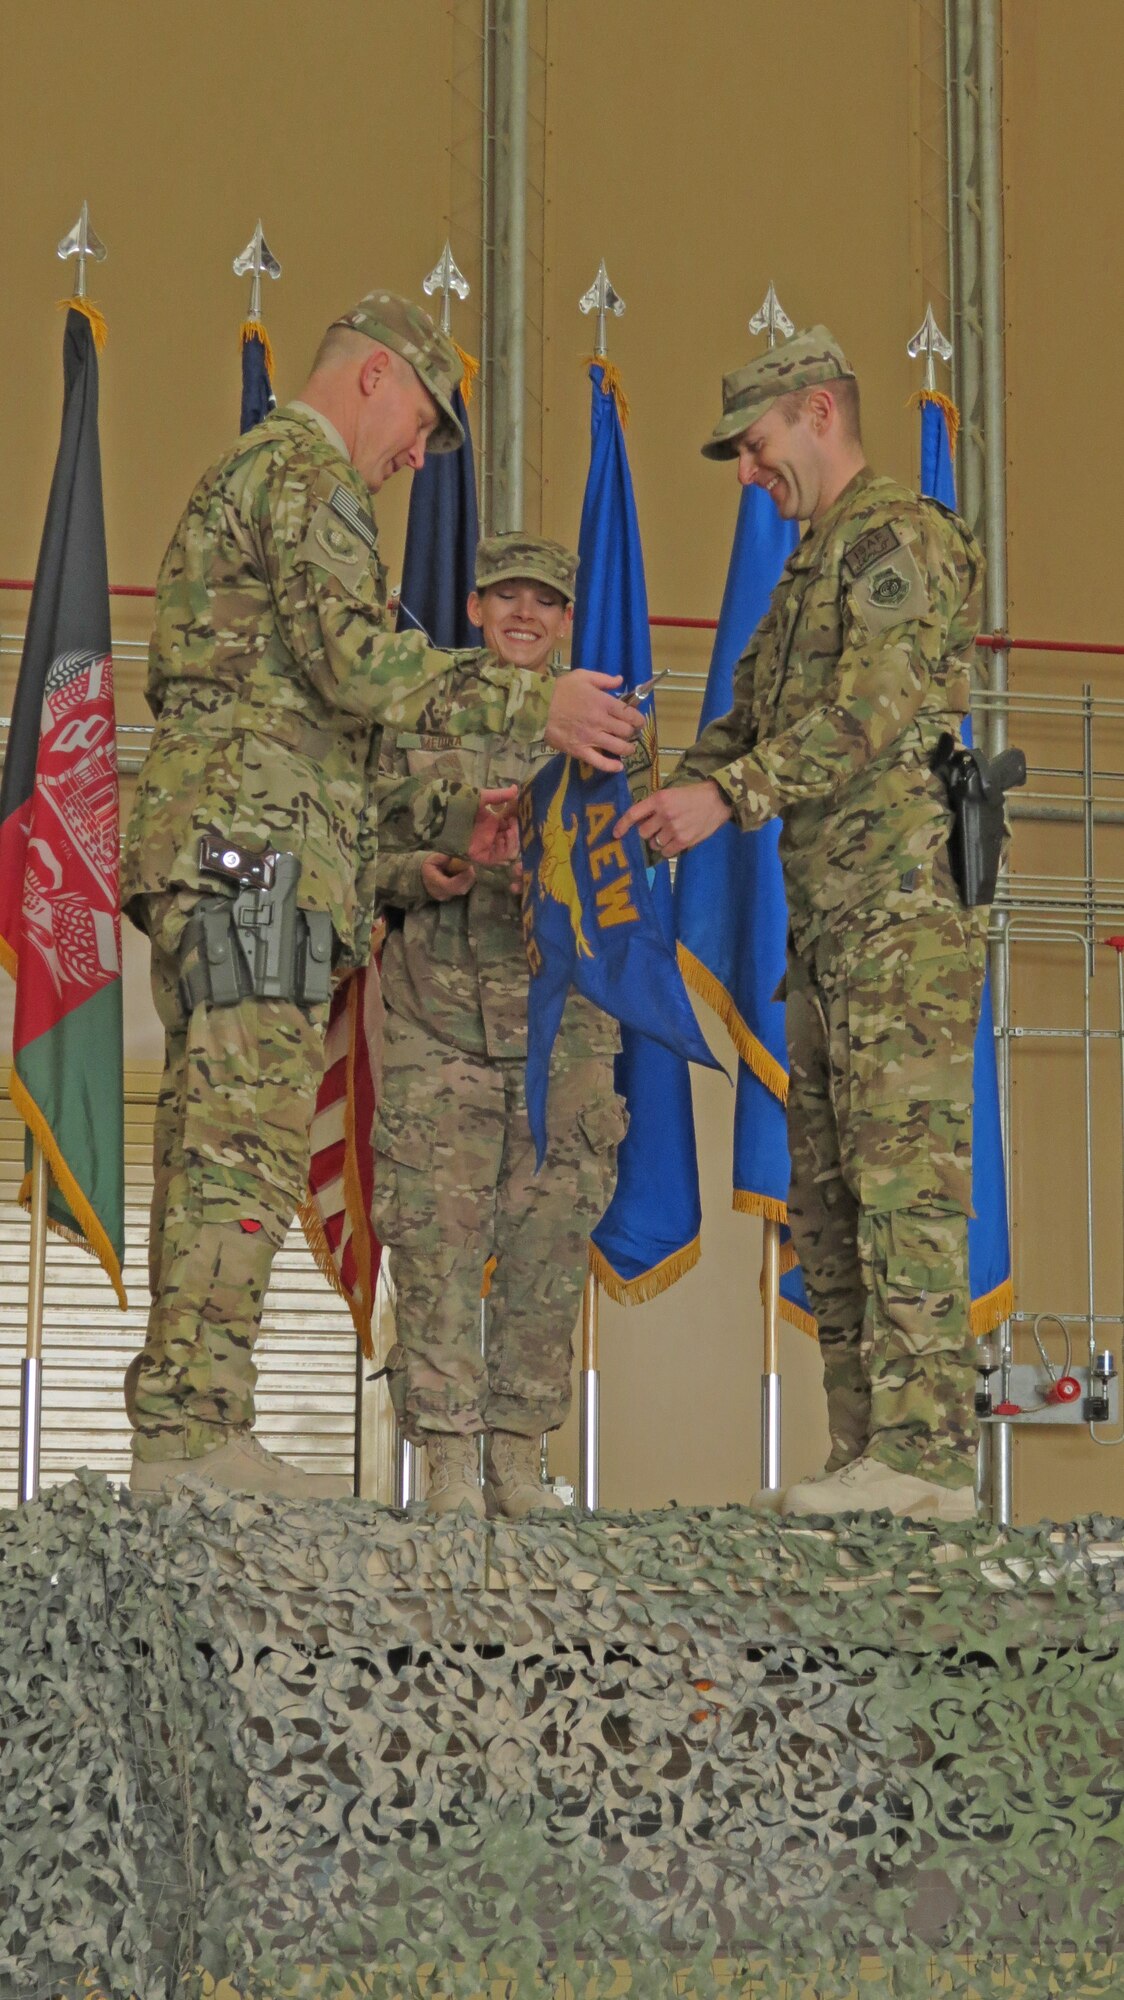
(771, 1377)
(771, 320)
(31, 1375)
(601, 299)
(589, 1407)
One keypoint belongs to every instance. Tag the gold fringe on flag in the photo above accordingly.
(649, 1285)
(253, 329)
(88, 311)
(764, 1205)
(797, 1317)
(89, 1234)
(753, 1053)
(951, 413)
(992, 1309)
(611, 384)
(471, 370)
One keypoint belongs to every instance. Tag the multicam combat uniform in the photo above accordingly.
(273, 668)
(455, 1177)
(860, 664)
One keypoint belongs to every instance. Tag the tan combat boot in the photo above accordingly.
(866, 1486)
(454, 1474)
(512, 1478)
(238, 1465)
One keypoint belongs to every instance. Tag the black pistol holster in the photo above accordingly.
(258, 943)
(974, 789)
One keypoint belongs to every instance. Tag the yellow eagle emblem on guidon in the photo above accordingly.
(556, 869)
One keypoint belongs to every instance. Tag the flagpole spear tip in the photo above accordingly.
(771, 318)
(446, 278)
(601, 299)
(82, 242)
(255, 262)
(931, 342)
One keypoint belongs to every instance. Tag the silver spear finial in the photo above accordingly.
(255, 262)
(601, 299)
(931, 342)
(771, 318)
(446, 279)
(82, 242)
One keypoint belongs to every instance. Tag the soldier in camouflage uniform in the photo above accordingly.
(273, 669)
(455, 1180)
(859, 666)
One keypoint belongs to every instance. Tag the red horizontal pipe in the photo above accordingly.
(115, 589)
(992, 642)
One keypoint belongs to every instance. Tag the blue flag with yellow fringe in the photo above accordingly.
(649, 1234)
(589, 922)
(989, 1241)
(731, 916)
(258, 398)
(439, 563)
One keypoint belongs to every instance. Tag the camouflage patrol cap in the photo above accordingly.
(506, 558)
(810, 357)
(407, 330)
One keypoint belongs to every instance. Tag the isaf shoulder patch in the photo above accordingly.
(890, 591)
(870, 548)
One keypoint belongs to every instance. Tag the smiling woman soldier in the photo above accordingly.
(455, 1179)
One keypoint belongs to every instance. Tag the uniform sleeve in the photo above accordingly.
(894, 638)
(317, 546)
(424, 813)
(728, 736)
(398, 881)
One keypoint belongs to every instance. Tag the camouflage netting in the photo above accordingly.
(327, 1749)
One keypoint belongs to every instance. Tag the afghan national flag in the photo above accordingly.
(258, 398)
(438, 573)
(649, 1234)
(60, 932)
(989, 1242)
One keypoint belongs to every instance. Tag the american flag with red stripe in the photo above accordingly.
(336, 1214)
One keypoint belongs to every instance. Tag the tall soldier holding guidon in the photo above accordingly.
(859, 667)
(250, 855)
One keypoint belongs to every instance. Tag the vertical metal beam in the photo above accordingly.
(505, 266)
(976, 196)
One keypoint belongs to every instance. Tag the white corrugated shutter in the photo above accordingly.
(306, 1355)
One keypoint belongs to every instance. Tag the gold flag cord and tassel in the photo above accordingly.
(471, 368)
(611, 384)
(945, 404)
(89, 311)
(254, 329)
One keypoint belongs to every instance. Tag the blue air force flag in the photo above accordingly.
(989, 1243)
(649, 1234)
(439, 564)
(589, 922)
(258, 398)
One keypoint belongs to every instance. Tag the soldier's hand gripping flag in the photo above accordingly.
(731, 918)
(649, 1234)
(989, 1243)
(60, 933)
(437, 575)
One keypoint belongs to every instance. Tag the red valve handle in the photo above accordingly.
(1066, 1389)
